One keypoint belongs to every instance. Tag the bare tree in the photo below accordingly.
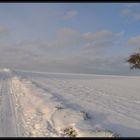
(134, 61)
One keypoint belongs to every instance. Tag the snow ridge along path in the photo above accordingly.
(42, 115)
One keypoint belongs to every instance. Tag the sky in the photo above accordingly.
(92, 38)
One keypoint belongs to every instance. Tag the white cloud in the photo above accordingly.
(66, 32)
(52, 56)
(132, 4)
(89, 42)
(134, 41)
(97, 64)
(104, 34)
(65, 37)
(101, 40)
(98, 46)
(4, 30)
(131, 12)
(126, 12)
(70, 14)
(120, 34)
(136, 16)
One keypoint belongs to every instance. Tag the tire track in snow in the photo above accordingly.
(8, 122)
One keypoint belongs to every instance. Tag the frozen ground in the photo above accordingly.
(68, 105)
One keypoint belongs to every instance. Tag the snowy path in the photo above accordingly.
(8, 121)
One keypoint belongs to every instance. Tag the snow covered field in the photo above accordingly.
(70, 105)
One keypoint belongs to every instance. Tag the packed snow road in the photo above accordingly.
(68, 105)
(8, 118)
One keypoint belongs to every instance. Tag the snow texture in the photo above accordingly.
(68, 105)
